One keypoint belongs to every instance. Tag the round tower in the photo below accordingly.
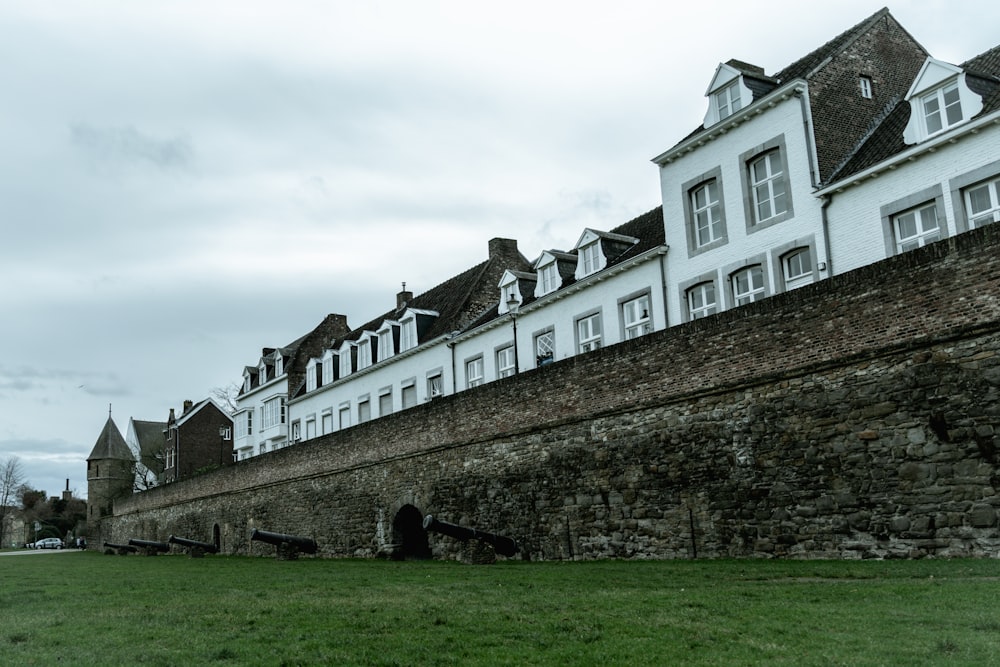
(110, 472)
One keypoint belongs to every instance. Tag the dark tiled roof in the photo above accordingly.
(807, 64)
(110, 444)
(887, 138)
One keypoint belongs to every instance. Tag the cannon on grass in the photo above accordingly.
(120, 549)
(150, 547)
(288, 546)
(194, 548)
(504, 546)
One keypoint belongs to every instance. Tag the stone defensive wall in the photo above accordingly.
(853, 418)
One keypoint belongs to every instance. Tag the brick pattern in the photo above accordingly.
(851, 418)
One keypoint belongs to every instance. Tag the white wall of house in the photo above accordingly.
(725, 157)
(274, 436)
(863, 209)
(340, 404)
(603, 294)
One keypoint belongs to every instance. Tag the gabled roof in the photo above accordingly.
(207, 403)
(808, 64)
(110, 444)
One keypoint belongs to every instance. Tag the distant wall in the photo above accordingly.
(855, 417)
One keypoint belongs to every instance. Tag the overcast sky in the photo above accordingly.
(184, 183)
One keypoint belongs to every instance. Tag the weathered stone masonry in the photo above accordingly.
(856, 417)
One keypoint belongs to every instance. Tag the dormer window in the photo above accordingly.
(940, 99)
(548, 278)
(345, 359)
(385, 341)
(262, 372)
(727, 101)
(311, 383)
(246, 382)
(364, 352)
(590, 258)
(279, 365)
(328, 366)
(407, 334)
(942, 108)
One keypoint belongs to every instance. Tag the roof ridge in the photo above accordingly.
(837, 44)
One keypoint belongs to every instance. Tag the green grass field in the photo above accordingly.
(91, 609)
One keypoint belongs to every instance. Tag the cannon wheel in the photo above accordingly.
(408, 532)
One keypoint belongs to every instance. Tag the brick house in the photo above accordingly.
(201, 437)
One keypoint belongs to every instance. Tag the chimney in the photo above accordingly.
(503, 248)
(403, 297)
(187, 407)
(171, 419)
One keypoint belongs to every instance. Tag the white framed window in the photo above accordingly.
(344, 416)
(942, 108)
(244, 424)
(982, 202)
(273, 412)
(296, 431)
(701, 301)
(747, 285)
(344, 360)
(706, 212)
(635, 316)
(246, 382)
(262, 448)
(865, 83)
(797, 268)
(385, 344)
(409, 395)
(262, 372)
(545, 348)
(435, 385)
(548, 278)
(364, 410)
(408, 334)
(916, 227)
(474, 372)
(328, 367)
(310, 428)
(589, 258)
(505, 361)
(364, 353)
(588, 332)
(767, 183)
(327, 423)
(727, 101)
(509, 293)
(279, 365)
(385, 403)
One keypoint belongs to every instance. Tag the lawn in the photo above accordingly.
(91, 609)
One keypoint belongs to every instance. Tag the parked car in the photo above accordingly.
(49, 543)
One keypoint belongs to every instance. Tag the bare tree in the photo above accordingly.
(11, 480)
(226, 397)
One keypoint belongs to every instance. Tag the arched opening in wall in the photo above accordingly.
(216, 537)
(409, 536)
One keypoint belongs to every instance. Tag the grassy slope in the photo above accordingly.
(88, 608)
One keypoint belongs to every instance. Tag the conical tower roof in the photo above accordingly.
(111, 444)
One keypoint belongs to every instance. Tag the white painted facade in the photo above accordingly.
(260, 421)
(723, 154)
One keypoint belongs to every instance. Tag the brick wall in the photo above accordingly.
(853, 417)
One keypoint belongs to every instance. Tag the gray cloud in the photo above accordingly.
(127, 146)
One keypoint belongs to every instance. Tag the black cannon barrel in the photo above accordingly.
(505, 546)
(150, 545)
(207, 547)
(120, 547)
(303, 544)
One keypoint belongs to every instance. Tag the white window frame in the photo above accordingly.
(710, 212)
(408, 395)
(727, 100)
(344, 360)
(296, 431)
(311, 370)
(385, 402)
(770, 188)
(408, 334)
(942, 108)
(548, 278)
(698, 305)
(545, 347)
(590, 260)
(364, 352)
(984, 216)
(344, 416)
(747, 285)
(474, 372)
(272, 413)
(588, 332)
(328, 371)
(921, 235)
(326, 423)
(637, 317)
(364, 409)
(435, 384)
(385, 343)
(794, 271)
(865, 83)
(262, 372)
(506, 366)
